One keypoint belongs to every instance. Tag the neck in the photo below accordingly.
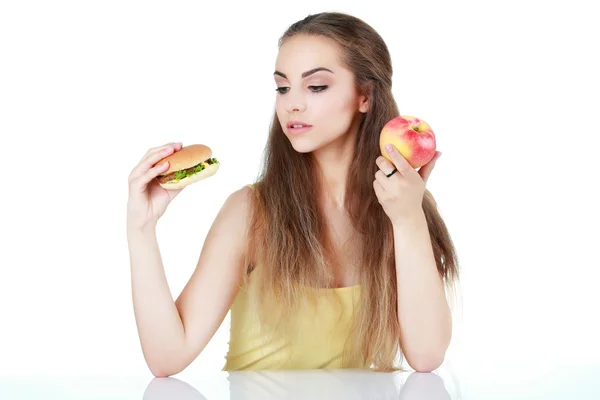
(333, 163)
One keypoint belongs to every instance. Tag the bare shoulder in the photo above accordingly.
(233, 220)
(241, 197)
(238, 205)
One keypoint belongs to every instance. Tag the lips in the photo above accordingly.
(299, 124)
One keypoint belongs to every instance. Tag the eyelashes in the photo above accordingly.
(320, 89)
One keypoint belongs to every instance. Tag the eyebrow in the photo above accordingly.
(305, 74)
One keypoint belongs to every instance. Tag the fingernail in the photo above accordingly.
(388, 147)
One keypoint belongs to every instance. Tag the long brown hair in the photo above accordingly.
(288, 247)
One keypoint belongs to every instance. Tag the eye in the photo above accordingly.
(284, 90)
(321, 88)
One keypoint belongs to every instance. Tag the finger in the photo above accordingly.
(385, 165)
(148, 162)
(425, 170)
(151, 159)
(379, 190)
(158, 148)
(139, 184)
(401, 164)
(383, 180)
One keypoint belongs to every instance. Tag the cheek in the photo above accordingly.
(328, 108)
(336, 102)
(280, 111)
(347, 104)
(339, 111)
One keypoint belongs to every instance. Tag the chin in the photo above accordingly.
(303, 149)
(301, 145)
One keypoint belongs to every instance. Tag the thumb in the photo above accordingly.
(425, 171)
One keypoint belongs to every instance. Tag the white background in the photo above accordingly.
(511, 90)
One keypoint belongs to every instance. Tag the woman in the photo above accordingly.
(344, 259)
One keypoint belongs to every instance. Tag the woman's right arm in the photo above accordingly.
(172, 334)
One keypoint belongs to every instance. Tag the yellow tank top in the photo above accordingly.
(319, 343)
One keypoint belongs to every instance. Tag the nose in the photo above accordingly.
(295, 102)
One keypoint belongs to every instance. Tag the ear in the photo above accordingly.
(363, 104)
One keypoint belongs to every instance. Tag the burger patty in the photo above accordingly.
(171, 176)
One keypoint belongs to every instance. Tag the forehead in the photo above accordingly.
(301, 53)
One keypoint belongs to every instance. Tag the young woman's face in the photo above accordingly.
(326, 99)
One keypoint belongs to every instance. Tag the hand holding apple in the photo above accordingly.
(413, 138)
(398, 186)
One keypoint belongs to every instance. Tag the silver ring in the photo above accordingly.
(392, 173)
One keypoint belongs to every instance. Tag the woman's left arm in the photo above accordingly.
(423, 311)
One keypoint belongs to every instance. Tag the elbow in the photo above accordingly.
(429, 356)
(163, 368)
(168, 361)
(162, 372)
(426, 362)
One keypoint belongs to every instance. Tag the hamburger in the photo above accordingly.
(189, 165)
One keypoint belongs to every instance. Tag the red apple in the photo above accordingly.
(413, 138)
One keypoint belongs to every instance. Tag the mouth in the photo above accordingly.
(297, 125)
(299, 129)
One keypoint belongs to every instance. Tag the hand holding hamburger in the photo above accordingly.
(160, 176)
(189, 165)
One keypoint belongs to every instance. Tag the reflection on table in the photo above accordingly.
(311, 384)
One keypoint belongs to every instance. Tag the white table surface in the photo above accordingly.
(580, 383)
